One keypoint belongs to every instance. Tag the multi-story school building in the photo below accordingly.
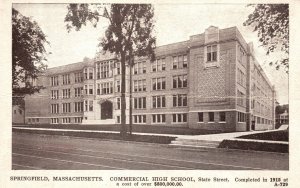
(211, 81)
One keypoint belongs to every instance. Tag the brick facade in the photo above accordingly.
(207, 82)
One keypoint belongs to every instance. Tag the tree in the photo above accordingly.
(271, 22)
(129, 34)
(28, 55)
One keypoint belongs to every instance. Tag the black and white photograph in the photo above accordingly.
(197, 92)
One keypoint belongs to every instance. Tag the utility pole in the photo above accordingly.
(130, 92)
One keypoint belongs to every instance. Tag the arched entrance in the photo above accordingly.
(106, 110)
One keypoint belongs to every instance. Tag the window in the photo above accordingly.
(15, 111)
(118, 103)
(105, 88)
(158, 118)
(91, 89)
(90, 106)
(78, 77)
(179, 118)
(159, 83)
(180, 81)
(20, 111)
(54, 120)
(78, 91)
(118, 86)
(139, 67)
(66, 93)
(66, 79)
(139, 85)
(118, 119)
(66, 107)
(54, 108)
(54, 81)
(180, 62)
(78, 107)
(54, 94)
(85, 72)
(159, 101)
(222, 116)
(66, 120)
(139, 103)
(78, 120)
(211, 116)
(139, 118)
(158, 65)
(118, 68)
(211, 53)
(105, 69)
(241, 100)
(179, 100)
(91, 73)
(200, 116)
(241, 78)
(242, 117)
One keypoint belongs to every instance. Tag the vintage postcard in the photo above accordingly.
(149, 94)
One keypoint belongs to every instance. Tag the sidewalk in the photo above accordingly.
(211, 140)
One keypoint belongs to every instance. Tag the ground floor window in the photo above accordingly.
(241, 117)
(118, 119)
(139, 118)
(78, 119)
(211, 116)
(222, 117)
(66, 120)
(54, 120)
(200, 116)
(158, 118)
(179, 118)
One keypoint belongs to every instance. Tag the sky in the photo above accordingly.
(173, 23)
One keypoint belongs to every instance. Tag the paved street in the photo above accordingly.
(34, 151)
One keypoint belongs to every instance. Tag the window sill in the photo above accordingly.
(201, 122)
(211, 64)
(211, 122)
(222, 121)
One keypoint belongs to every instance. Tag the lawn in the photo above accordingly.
(111, 136)
(282, 135)
(135, 128)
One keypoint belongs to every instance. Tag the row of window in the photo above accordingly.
(212, 117)
(158, 118)
(66, 120)
(78, 107)
(159, 101)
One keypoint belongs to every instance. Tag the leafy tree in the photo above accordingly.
(271, 21)
(28, 55)
(129, 34)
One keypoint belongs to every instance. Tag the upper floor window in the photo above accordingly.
(159, 83)
(179, 100)
(180, 81)
(104, 69)
(66, 79)
(118, 68)
(158, 65)
(91, 73)
(66, 93)
(78, 77)
(180, 62)
(211, 53)
(105, 88)
(139, 103)
(139, 67)
(54, 108)
(54, 94)
(66, 107)
(139, 85)
(54, 81)
(89, 89)
(118, 86)
(159, 101)
(78, 91)
(179, 118)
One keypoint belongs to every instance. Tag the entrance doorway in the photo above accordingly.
(106, 110)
